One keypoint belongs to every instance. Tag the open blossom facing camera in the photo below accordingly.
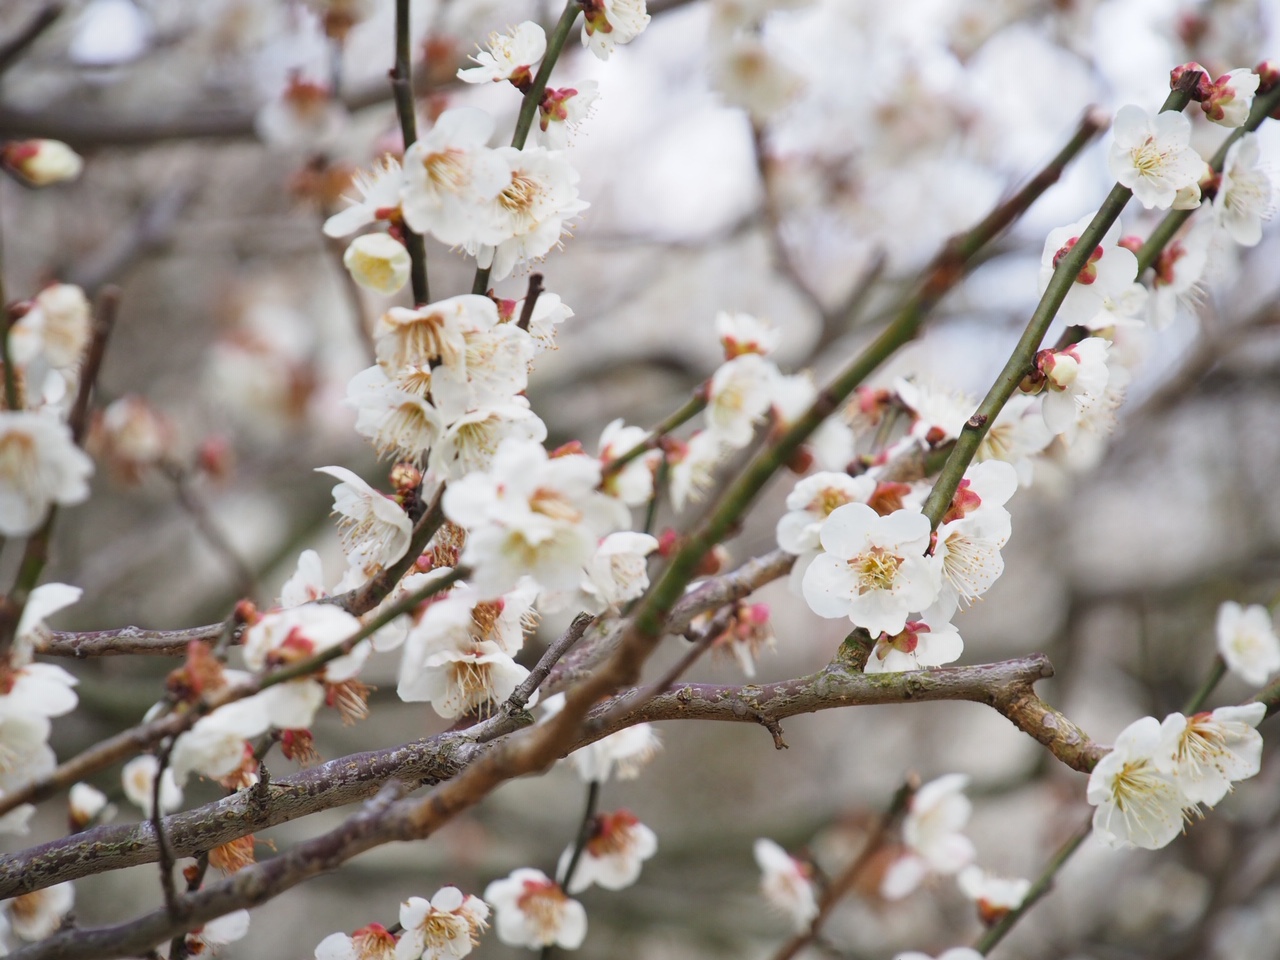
(1152, 156)
(449, 173)
(446, 926)
(1247, 641)
(874, 570)
(532, 911)
(786, 883)
(1139, 803)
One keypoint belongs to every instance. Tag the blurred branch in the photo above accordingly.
(402, 91)
(149, 231)
(12, 50)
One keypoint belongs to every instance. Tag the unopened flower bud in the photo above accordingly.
(378, 262)
(42, 162)
(1203, 84)
(1268, 76)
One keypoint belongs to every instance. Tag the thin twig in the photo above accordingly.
(13, 49)
(550, 657)
(402, 91)
(532, 293)
(848, 878)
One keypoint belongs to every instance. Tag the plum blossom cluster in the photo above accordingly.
(447, 925)
(933, 845)
(1159, 775)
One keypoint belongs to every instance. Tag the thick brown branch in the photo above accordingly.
(126, 640)
(1006, 686)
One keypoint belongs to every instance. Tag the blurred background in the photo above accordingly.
(798, 161)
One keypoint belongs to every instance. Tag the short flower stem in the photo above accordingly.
(402, 89)
(532, 99)
(1216, 673)
(580, 845)
(1042, 885)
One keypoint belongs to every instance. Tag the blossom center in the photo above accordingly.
(542, 903)
(875, 570)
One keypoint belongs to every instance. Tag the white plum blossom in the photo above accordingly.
(618, 571)
(938, 414)
(633, 483)
(811, 501)
(1107, 273)
(1139, 804)
(470, 443)
(972, 533)
(218, 933)
(215, 746)
(1247, 641)
(738, 397)
(44, 601)
(624, 753)
(307, 582)
(562, 110)
(1075, 378)
(525, 219)
(1152, 156)
(1179, 270)
(378, 262)
(532, 514)
(1231, 97)
(37, 690)
(379, 199)
(741, 333)
(531, 910)
(375, 530)
(994, 895)
(57, 326)
(458, 656)
(37, 915)
(86, 804)
(303, 116)
(138, 780)
(398, 423)
(932, 831)
(786, 883)
(446, 926)
(693, 467)
(610, 22)
(833, 443)
(918, 644)
(1207, 752)
(613, 857)
(450, 173)
(549, 311)
(873, 570)
(955, 953)
(40, 465)
(511, 56)
(434, 333)
(1244, 198)
(748, 75)
(495, 366)
(373, 942)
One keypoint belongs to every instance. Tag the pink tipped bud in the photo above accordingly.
(1203, 84)
(41, 162)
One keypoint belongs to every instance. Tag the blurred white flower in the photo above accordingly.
(218, 933)
(994, 896)
(40, 465)
(1247, 641)
(1107, 273)
(87, 804)
(41, 163)
(613, 857)
(36, 915)
(624, 753)
(1207, 752)
(786, 883)
(511, 56)
(58, 326)
(610, 22)
(532, 911)
(138, 780)
(932, 831)
(373, 942)
(738, 397)
(1244, 197)
(303, 116)
(633, 484)
(379, 199)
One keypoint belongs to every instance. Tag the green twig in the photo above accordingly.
(1042, 885)
(533, 99)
